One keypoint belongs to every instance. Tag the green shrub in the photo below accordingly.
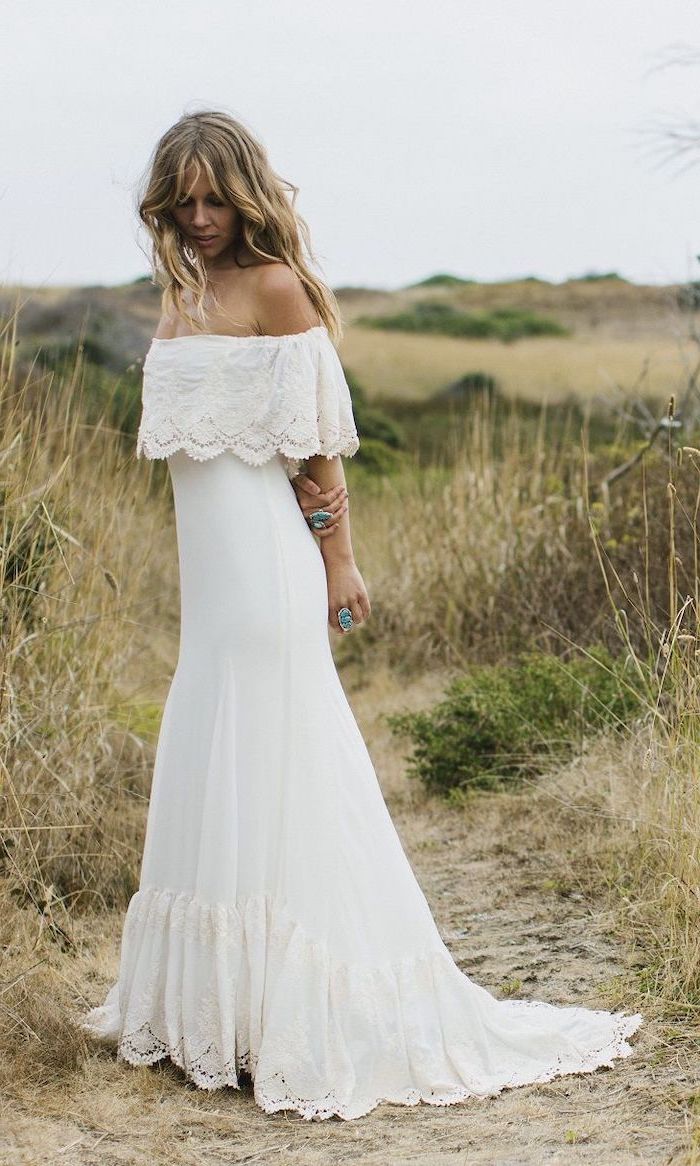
(596, 276)
(504, 324)
(442, 279)
(464, 388)
(372, 422)
(377, 457)
(688, 296)
(500, 723)
(62, 352)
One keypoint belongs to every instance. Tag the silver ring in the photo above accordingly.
(345, 618)
(319, 518)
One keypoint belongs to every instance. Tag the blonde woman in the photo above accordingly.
(279, 934)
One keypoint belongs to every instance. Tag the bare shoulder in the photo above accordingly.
(282, 304)
(167, 324)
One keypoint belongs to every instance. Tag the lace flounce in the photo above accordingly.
(255, 395)
(220, 988)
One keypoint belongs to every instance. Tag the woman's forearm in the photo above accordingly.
(329, 472)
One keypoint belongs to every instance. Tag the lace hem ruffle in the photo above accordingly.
(218, 989)
(208, 441)
(205, 394)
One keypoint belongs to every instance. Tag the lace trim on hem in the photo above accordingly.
(152, 447)
(420, 1015)
(320, 1109)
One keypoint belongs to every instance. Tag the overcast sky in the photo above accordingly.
(492, 140)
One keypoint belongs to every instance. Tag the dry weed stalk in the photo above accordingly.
(663, 860)
(75, 602)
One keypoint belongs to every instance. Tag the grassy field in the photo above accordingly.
(511, 543)
(619, 333)
(546, 368)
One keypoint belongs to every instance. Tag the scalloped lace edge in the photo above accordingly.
(153, 448)
(209, 1070)
(320, 1109)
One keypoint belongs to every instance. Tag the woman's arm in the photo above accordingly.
(328, 473)
(346, 587)
(310, 497)
(282, 307)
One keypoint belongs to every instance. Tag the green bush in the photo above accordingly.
(464, 388)
(442, 279)
(61, 352)
(504, 324)
(377, 457)
(595, 276)
(500, 723)
(688, 296)
(372, 422)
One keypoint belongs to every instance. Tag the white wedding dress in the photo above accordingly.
(278, 926)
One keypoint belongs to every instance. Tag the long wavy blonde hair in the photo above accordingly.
(240, 174)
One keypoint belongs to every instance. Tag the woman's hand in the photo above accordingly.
(345, 584)
(346, 588)
(310, 497)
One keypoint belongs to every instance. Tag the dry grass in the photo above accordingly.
(75, 608)
(510, 885)
(616, 329)
(475, 559)
(506, 551)
(465, 557)
(661, 870)
(547, 368)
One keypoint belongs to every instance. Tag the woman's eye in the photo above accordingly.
(185, 201)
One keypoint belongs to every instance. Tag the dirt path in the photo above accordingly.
(511, 924)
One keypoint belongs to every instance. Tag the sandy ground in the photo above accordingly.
(512, 920)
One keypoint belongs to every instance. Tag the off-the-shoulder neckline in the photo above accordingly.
(239, 339)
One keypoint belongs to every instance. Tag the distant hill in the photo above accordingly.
(118, 321)
(442, 280)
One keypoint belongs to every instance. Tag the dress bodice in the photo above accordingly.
(255, 395)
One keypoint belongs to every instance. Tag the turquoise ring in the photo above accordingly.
(345, 618)
(319, 518)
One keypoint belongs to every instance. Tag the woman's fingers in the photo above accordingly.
(306, 483)
(307, 486)
(334, 501)
(331, 527)
(326, 501)
(357, 618)
(360, 610)
(334, 505)
(357, 613)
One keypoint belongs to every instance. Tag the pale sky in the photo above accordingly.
(492, 141)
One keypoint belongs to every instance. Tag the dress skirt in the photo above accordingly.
(278, 926)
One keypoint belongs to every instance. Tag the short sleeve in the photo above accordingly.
(325, 404)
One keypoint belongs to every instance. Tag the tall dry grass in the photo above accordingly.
(659, 865)
(492, 551)
(524, 547)
(500, 547)
(77, 601)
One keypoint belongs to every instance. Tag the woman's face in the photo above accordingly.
(209, 224)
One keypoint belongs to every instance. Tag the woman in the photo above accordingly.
(278, 927)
